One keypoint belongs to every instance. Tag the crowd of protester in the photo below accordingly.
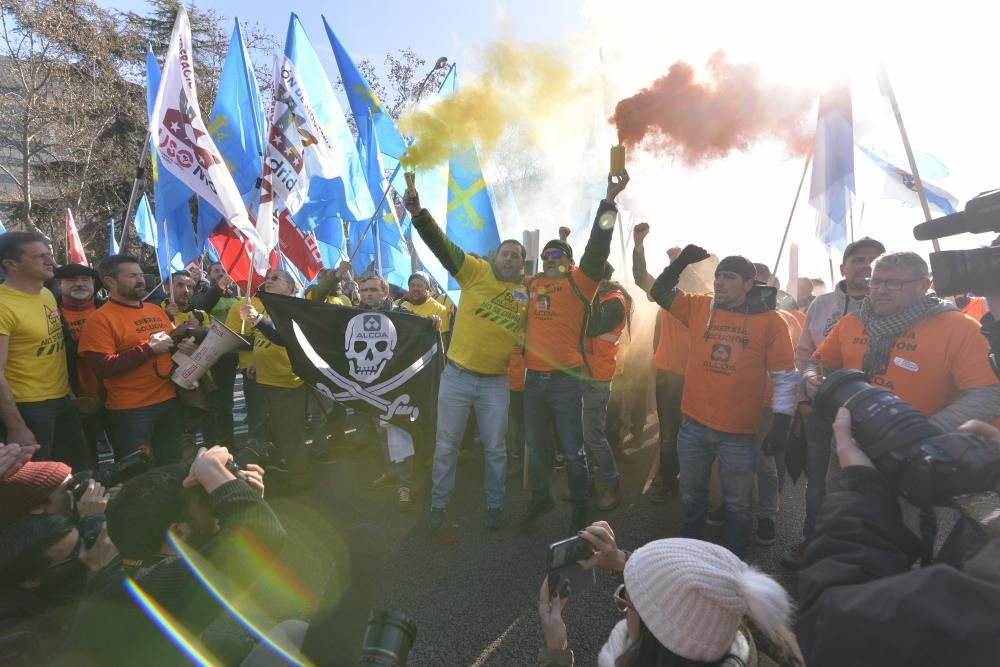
(102, 479)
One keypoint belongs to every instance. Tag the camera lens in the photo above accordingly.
(877, 415)
(388, 640)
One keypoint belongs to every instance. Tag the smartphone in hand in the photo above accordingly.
(565, 574)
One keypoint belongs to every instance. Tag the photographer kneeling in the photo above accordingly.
(686, 602)
(213, 512)
(862, 604)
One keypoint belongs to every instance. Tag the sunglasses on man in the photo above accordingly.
(554, 254)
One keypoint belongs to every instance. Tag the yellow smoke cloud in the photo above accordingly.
(522, 85)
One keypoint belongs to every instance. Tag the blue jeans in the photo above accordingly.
(596, 396)
(819, 435)
(57, 428)
(157, 426)
(459, 393)
(555, 398)
(401, 471)
(697, 447)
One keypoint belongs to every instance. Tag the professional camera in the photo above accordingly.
(916, 457)
(965, 271)
(131, 465)
(254, 451)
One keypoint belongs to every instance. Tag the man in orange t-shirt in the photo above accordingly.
(77, 284)
(737, 340)
(128, 345)
(915, 345)
(559, 299)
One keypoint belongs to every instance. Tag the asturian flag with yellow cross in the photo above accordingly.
(472, 221)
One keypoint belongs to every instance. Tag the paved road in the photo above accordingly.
(473, 595)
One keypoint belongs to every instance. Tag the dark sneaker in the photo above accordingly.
(494, 518)
(535, 509)
(793, 560)
(717, 517)
(765, 531)
(403, 502)
(437, 518)
(609, 499)
(381, 482)
(578, 521)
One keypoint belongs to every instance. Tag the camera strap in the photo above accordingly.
(928, 521)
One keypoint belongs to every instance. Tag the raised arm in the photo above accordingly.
(450, 255)
(595, 255)
(640, 274)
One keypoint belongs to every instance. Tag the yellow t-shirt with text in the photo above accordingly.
(36, 354)
(488, 319)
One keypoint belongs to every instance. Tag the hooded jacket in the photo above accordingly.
(823, 314)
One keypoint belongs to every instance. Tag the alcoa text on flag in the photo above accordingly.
(183, 144)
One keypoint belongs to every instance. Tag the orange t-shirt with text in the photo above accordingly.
(729, 361)
(116, 328)
(87, 380)
(555, 321)
(929, 365)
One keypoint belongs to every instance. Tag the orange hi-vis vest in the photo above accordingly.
(602, 351)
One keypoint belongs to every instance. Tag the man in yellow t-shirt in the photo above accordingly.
(35, 403)
(419, 302)
(327, 287)
(281, 390)
(483, 337)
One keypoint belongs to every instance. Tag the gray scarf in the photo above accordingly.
(883, 330)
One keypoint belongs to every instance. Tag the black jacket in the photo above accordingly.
(113, 630)
(861, 603)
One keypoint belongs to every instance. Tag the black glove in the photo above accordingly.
(691, 254)
(777, 438)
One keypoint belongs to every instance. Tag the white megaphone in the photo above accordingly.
(219, 340)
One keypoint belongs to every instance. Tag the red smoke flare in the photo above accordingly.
(730, 108)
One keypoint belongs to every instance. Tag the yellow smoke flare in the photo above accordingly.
(522, 85)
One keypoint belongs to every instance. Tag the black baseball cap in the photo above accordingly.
(74, 270)
(556, 244)
(865, 241)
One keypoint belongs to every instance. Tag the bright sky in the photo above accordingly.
(942, 61)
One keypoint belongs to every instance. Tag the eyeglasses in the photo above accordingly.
(620, 600)
(553, 254)
(891, 285)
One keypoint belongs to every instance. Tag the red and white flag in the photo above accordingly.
(183, 144)
(74, 246)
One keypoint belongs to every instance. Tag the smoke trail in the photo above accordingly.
(701, 118)
(522, 85)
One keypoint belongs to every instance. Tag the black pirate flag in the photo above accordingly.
(385, 363)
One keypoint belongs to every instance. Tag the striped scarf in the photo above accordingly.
(882, 330)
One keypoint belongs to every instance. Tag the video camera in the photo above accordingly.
(964, 271)
(923, 464)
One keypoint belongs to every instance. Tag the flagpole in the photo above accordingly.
(170, 261)
(66, 249)
(886, 87)
(791, 214)
(441, 62)
(377, 209)
(140, 175)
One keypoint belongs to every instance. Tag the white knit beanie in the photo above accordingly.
(693, 595)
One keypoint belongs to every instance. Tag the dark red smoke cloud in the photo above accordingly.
(728, 108)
